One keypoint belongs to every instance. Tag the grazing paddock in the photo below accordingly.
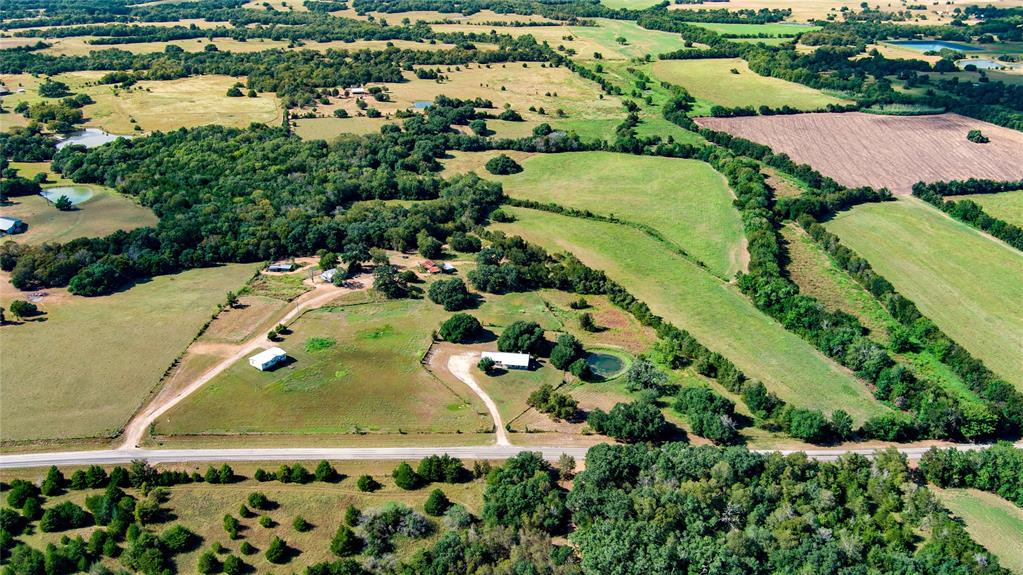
(810, 10)
(969, 284)
(777, 29)
(715, 312)
(993, 522)
(1006, 206)
(157, 104)
(85, 368)
(687, 201)
(330, 128)
(885, 151)
(364, 377)
(712, 82)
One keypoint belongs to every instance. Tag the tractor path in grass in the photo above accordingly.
(168, 397)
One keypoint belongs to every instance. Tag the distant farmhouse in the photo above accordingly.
(509, 360)
(268, 358)
(10, 226)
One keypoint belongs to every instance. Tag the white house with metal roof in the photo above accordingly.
(268, 358)
(509, 360)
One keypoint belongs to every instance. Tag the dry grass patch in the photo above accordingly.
(87, 365)
(859, 149)
(810, 10)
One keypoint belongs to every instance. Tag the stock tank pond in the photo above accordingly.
(933, 45)
(607, 364)
(77, 194)
(90, 138)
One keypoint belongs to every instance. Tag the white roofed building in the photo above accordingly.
(509, 360)
(268, 358)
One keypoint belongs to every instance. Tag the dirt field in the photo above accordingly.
(885, 151)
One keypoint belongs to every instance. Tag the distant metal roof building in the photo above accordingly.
(267, 358)
(280, 267)
(509, 360)
(328, 276)
(9, 225)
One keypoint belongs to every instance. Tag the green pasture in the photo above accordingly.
(992, 521)
(712, 82)
(686, 201)
(1007, 206)
(773, 29)
(369, 380)
(969, 284)
(84, 367)
(713, 311)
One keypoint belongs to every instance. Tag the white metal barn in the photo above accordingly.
(509, 360)
(267, 358)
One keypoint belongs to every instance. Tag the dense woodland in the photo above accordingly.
(634, 510)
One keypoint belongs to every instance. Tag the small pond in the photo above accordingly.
(89, 137)
(77, 194)
(983, 64)
(605, 365)
(422, 104)
(933, 45)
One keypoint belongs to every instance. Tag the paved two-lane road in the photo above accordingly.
(122, 456)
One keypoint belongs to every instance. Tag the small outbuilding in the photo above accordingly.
(509, 360)
(430, 266)
(358, 91)
(448, 268)
(268, 358)
(10, 226)
(285, 267)
(328, 275)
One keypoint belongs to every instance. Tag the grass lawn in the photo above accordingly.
(104, 213)
(200, 507)
(354, 369)
(712, 82)
(1006, 206)
(993, 522)
(687, 201)
(716, 313)
(969, 284)
(87, 365)
(158, 104)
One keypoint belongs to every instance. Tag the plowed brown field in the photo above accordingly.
(885, 151)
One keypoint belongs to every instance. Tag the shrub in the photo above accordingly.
(179, 539)
(231, 526)
(406, 478)
(485, 365)
(266, 521)
(352, 516)
(521, 337)
(64, 516)
(458, 517)
(301, 525)
(259, 501)
(233, 565)
(452, 294)
(208, 563)
(441, 468)
(277, 551)
(345, 542)
(643, 374)
(367, 484)
(437, 503)
(460, 328)
(21, 308)
(977, 137)
(503, 165)
(383, 525)
(247, 549)
(325, 472)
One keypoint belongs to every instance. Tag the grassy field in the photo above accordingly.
(355, 369)
(330, 128)
(104, 213)
(84, 368)
(777, 29)
(712, 82)
(992, 521)
(1007, 206)
(685, 200)
(158, 104)
(201, 506)
(713, 311)
(809, 10)
(969, 284)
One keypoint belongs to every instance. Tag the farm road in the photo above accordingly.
(461, 367)
(167, 397)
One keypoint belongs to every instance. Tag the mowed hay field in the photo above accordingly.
(896, 152)
(364, 375)
(809, 10)
(157, 104)
(712, 82)
(713, 311)
(89, 363)
(993, 522)
(1006, 206)
(687, 201)
(969, 284)
(104, 213)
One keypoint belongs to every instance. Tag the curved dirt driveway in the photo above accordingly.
(166, 398)
(461, 367)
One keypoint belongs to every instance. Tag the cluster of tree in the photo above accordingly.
(393, 520)
(451, 294)
(636, 422)
(567, 352)
(26, 144)
(558, 405)
(681, 509)
(521, 337)
(432, 469)
(297, 473)
(503, 165)
(709, 414)
(969, 211)
(998, 469)
(460, 328)
(1001, 412)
